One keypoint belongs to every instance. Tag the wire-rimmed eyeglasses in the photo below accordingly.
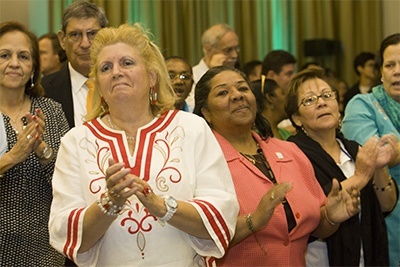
(76, 36)
(229, 50)
(313, 99)
(181, 76)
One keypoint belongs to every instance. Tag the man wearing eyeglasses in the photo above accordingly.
(220, 47)
(81, 21)
(181, 75)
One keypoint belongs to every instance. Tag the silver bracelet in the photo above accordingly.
(107, 206)
(327, 219)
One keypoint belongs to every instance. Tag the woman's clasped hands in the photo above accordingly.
(30, 138)
(121, 185)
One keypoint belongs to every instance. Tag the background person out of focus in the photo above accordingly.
(365, 67)
(252, 69)
(220, 45)
(313, 106)
(31, 128)
(181, 75)
(140, 183)
(270, 102)
(378, 114)
(280, 66)
(281, 203)
(80, 23)
(52, 56)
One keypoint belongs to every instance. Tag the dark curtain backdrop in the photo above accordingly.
(262, 25)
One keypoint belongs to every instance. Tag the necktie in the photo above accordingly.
(90, 85)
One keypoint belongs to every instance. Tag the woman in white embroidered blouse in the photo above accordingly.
(139, 179)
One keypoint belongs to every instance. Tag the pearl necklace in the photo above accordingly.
(112, 126)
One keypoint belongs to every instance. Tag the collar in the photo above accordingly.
(77, 79)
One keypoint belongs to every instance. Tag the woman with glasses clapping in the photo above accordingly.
(313, 108)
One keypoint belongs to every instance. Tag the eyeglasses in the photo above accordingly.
(182, 76)
(312, 100)
(76, 36)
(229, 50)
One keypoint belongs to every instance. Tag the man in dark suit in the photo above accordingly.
(81, 21)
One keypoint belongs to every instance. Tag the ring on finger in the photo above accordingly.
(29, 137)
(272, 195)
(147, 190)
(112, 192)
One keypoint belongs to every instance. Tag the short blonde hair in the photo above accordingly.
(137, 37)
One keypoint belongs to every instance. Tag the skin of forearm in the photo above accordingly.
(187, 219)
(6, 163)
(95, 224)
(355, 180)
(388, 197)
(242, 231)
(396, 158)
(324, 229)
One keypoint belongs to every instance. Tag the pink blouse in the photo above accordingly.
(289, 164)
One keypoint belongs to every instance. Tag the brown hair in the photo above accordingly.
(14, 26)
(292, 96)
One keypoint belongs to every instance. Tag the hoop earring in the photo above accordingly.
(32, 83)
(153, 95)
(103, 106)
(340, 125)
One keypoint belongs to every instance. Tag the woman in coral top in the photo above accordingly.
(281, 202)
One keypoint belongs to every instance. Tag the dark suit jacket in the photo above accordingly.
(58, 87)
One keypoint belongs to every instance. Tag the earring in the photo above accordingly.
(153, 95)
(103, 106)
(381, 79)
(304, 130)
(32, 83)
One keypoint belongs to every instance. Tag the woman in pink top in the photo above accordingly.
(281, 202)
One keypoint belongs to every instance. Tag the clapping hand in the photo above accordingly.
(386, 150)
(268, 203)
(342, 204)
(29, 138)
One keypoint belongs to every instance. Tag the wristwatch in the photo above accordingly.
(171, 204)
(47, 153)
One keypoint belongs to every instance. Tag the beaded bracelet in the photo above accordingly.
(249, 222)
(250, 225)
(327, 219)
(383, 189)
(107, 206)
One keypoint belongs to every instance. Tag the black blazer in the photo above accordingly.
(58, 87)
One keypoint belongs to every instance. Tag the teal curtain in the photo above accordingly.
(262, 25)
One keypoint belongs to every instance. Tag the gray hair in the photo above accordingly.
(83, 9)
(213, 35)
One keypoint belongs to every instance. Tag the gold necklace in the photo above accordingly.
(250, 158)
(112, 126)
(14, 121)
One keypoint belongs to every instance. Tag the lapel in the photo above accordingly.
(58, 87)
